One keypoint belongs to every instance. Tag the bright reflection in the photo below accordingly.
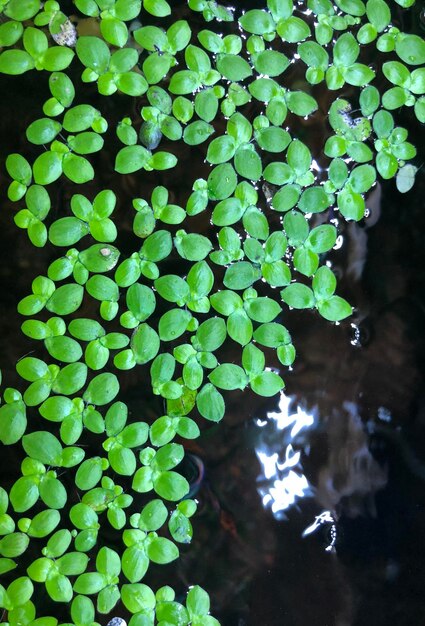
(282, 481)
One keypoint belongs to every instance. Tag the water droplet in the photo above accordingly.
(384, 414)
(355, 341)
(338, 243)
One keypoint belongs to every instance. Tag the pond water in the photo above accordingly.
(312, 505)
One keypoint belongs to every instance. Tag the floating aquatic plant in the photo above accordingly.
(229, 93)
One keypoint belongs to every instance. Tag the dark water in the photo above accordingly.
(356, 395)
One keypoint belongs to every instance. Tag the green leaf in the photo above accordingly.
(226, 302)
(13, 422)
(313, 54)
(286, 198)
(80, 118)
(90, 583)
(272, 139)
(162, 550)
(206, 105)
(253, 360)
(93, 53)
(17, 11)
(221, 149)
(314, 200)
(334, 309)
(305, 261)
(262, 309)
(272, 335)
(86, 143)
(358, 74)
(43, 131)
(210, 403)
(137, 597)
(20, 591)
(378, 13)
(173, 324)
(145, 344)
(43, 446)
(257, 22)
(63, 349)
(62, 88)
(197, 132)
(10, 33)
(362, 178)
(267, 384)
(270, 62)
(156, 67)
(65, 299)
(157, 246)
(99, 257)
(89, 473)
(15, 62)
(248, 163)
(197, 602)
(140, 301)
(346, 50)
(233, 67)
(410, 49)
(102, 288)
(322, 238)
(85, 329)
(13, 545)
(298, 296)
(67, 231)
(241, 275)
(180, 527)
(114, 32)
(406, 178)
(184, 82)
(293, 29)
(324, 283)
(43, 523)
(351, 205)
(239, 327)
(77, 168)
(131, 159)
(57, 58)
(172, 288)
(279, 173)
(19, 169)
(108, 562)
(171, 486)
(222, 182)
(210, 334)
(47, 168)
(151, 38)
(102, 389)
(134, 563)
(191, 246)
(386, 164)
(229, 376)
(158, 8)
(301, 103)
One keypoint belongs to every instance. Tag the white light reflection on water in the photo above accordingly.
(282, 481)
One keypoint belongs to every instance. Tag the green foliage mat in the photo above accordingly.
(266, 254)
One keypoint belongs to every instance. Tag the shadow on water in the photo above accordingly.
(311, 510)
